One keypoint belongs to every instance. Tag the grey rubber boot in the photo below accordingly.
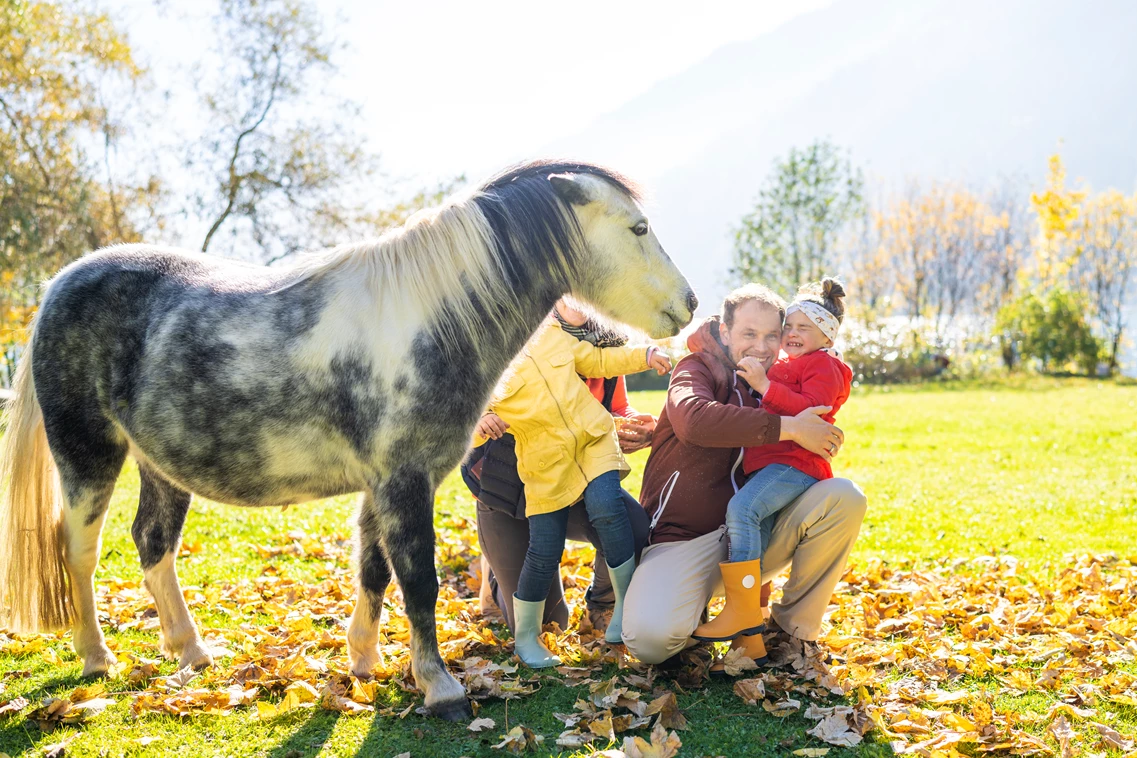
(621, 578)
(526, 643)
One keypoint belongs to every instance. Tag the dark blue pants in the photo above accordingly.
(749, 515)
(604, 503)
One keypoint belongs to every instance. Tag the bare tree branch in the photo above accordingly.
(234, 182)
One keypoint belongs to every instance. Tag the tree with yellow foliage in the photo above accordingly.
(1057, 208)
(943, 242)
(55, 200)
(948, 252)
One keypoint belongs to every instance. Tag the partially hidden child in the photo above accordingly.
(567, 448)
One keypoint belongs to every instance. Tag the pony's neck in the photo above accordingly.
(500, 341)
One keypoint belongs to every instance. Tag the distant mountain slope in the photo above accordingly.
(963, 89)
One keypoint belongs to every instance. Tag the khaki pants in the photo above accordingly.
(675, 580)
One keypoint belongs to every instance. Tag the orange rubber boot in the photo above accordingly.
(742, 614)
(751, 645)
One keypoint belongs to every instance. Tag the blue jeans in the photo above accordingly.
(749, 515)
(604, 504)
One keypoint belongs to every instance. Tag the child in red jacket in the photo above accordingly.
(808, 376)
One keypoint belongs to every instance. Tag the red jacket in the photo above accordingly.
(620, 405)
(811, 380)
(696, 456)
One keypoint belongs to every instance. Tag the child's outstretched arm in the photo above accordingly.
(603, 362)
(822, 383)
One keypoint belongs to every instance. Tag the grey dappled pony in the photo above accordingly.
(362, 370)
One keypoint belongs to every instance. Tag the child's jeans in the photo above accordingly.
(609, 517)
(749, 514)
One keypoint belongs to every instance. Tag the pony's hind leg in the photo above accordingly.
(405, 503)
(374, 576)
(86, 497)
(157, 532)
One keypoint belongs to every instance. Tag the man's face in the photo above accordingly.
(756, 331)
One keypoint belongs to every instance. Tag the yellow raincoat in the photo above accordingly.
(565, 437)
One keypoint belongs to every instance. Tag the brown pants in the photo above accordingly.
(674, 581)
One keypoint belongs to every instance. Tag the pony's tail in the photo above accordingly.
(34, 586)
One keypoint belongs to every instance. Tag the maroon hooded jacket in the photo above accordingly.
(696, 451)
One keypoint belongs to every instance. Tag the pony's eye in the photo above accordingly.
(640, 229)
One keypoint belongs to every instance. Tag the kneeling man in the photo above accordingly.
(694, 469)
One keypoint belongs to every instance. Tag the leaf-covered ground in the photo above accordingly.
(987, 610)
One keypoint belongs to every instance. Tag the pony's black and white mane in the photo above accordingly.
(470, 256)
(536, 236)
(532, 225)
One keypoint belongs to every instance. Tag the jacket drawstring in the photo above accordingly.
(741, 451)
(664, 496)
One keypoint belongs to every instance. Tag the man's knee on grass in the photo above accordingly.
(654, 640)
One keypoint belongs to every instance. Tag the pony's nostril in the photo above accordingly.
(692, 301)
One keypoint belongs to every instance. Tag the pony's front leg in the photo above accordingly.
(374, 576)
(406, 505)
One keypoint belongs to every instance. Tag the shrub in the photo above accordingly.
(898, 349)
(1051, 329)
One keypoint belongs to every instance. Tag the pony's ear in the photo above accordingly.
(571, 188)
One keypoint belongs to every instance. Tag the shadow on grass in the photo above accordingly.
(309, 738)
(18, 734)
(18, 730)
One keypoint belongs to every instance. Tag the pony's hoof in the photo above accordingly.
(455, 710)
(363, 664)
(99, 663)
(195, 656)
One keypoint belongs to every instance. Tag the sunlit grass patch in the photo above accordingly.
(988, 490)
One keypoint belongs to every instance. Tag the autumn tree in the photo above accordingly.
(1003, 266)
(1057, 208)
(963, 228)
(790, 235)
(870, 270)
(283, 158)
(56, 200)
(1005, 257)
(953, 252)
(1104, 238)
(1087, 243)
(905, 243)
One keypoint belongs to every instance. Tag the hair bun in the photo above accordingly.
(832, 289)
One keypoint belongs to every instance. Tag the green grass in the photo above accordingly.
(1037, 470)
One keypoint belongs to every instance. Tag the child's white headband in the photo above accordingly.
(826, 321)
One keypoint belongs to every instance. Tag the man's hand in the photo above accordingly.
(492, 426)
(813, 433)
(635, 431)
(750, 369)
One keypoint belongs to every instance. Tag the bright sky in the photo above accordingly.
(463, 86)
(458, 86)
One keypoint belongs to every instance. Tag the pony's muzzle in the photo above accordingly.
(679, 318)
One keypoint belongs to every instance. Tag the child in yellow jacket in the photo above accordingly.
(566, 447)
